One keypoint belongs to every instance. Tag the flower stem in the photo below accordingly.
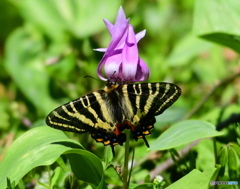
(126, 158)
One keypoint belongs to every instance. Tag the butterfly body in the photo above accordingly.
(106, 113)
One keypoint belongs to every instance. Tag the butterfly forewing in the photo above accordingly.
(152, 98)
(75, 116)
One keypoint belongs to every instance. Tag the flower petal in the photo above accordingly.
(130, 56)
(109, 26)
(100, 49)
(99, 70)
(113, 66)
(142, 75)
(120, 28)
(140, 35)
(121, 17)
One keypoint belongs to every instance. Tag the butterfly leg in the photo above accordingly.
(113, 152)
(145, 140)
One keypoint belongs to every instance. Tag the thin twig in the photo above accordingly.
(169, 162)
(211, 92)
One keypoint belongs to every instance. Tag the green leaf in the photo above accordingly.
(10, 185)
(205, 157)
(79, 18)
(183, 133)
(107, 157)
(223, 159)
(87, 167)
(37, 147)
(218, 21)
(61, 163)
(170, 116)
(186, 49)
(24, 63)
(233, 163)
(55, 177)
(236, 147)
(195, 179)
(112, 177)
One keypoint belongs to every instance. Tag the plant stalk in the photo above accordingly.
(126, 158)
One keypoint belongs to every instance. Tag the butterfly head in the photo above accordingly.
(110, 85)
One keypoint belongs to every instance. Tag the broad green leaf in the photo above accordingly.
(218, 21)
(170, 116)
(37, 147)
(87, 167)
(183, 133)
(186, 49)
(25, 65)
(77, 17)
(195, 179)
(205, 157)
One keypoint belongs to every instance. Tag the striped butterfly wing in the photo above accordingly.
(91, 114)
(152, 98)
(106, 113)
(148, 100)
(81, 115)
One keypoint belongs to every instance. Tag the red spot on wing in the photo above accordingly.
(122, 126)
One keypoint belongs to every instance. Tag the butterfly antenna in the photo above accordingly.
(92, 78)
(145, 140)
(113, 75)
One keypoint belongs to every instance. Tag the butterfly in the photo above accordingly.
(106, 113)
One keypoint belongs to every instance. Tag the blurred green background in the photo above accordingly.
(46, 49)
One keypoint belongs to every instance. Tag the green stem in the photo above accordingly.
(130, 172)
(126, 158)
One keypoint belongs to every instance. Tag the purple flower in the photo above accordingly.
(121, 60)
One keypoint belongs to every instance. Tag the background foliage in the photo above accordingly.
(46, 49)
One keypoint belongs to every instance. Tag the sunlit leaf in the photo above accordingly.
(37, 147)
(186, 49)
(195, 179)
(223, 159)
(233, 164)
(218, 21)
(87, 167)
(56, 175)
(58, 18)
(24, 63)
(183, 133)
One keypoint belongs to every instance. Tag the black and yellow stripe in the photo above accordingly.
(106, 113)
